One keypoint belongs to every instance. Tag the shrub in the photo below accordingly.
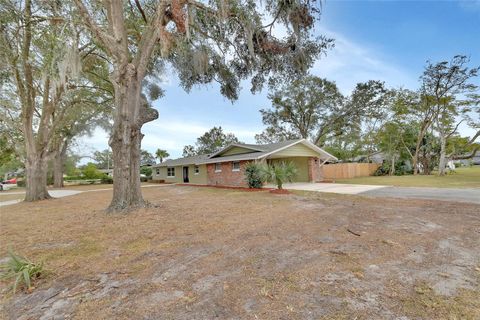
(146, 171)
(253, 175)
(70, 178)
(401, 168)
(23, 271)
(21, 183)
(107, 179)
(279, 173)
(91, 172)
(144, 179)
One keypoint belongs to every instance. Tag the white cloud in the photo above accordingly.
(86, 145)
(350, 63)
(470, 5)
(169, 135)
(173, 136)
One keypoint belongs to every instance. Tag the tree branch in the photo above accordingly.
(454, 130)
(139, 7)
(468, 156)
(106, 40)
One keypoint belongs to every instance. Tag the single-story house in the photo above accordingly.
(227, 166)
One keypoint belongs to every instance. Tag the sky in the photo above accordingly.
(374, 40)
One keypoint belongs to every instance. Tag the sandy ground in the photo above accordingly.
(205, 253)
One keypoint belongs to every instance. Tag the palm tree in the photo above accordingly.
(161, 154)
(279, 173)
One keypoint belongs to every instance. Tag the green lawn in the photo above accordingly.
(462, 178)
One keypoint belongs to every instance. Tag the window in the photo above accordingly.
(196, 169)
(170, 172)
(158, 170)
(218, 167)
(236, 166)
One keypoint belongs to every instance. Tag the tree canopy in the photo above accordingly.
(210, 142)
(202, 42)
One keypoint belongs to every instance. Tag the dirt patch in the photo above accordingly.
(208, 253)
(280, 191)
(8, 197)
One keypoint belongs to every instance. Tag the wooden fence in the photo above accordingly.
(347, 170)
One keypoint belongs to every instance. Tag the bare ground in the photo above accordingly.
(207, 253)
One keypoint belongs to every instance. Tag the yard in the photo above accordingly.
(204, 253)
(468, 177)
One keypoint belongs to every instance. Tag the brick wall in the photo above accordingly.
(227, 177)
(314, 174)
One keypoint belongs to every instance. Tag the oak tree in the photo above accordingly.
(202, 41)
(210, 142)
(42, 53)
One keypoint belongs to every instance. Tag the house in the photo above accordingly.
(108, 172)
(474, 160)
(375, 157)
(227, 166)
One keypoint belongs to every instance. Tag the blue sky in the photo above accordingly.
(375, 40)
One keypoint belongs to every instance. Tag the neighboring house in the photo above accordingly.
(376, 157)
(475, 160)
(108, 172)
(227, 166)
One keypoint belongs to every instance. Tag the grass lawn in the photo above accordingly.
(462, 178)
(205, 253)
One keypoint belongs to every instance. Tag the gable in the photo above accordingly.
(235, 150)
(297, 150)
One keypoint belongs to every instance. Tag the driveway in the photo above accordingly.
(60, 193)
(53, 193)
(445, 194)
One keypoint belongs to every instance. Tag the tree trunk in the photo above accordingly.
(36, 178)
(417, 151)
(279, 184)
(392, 167)
(443, 155)
(415, 162)
(131, 112)
(58, 166)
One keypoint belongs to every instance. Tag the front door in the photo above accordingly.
(185, 175)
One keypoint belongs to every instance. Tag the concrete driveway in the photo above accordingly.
(445, 194)
(60, 193)
(53, 193)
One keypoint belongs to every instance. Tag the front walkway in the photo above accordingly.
(447, 194)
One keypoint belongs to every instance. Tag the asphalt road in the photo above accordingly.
(445, 194)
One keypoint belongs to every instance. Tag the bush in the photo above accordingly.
(91, 172)
(22, 270)
(21, 183)
(107, 179)
(253, 175)
(401, 168)
(144, 179)
(70, 178)
(146, 171)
